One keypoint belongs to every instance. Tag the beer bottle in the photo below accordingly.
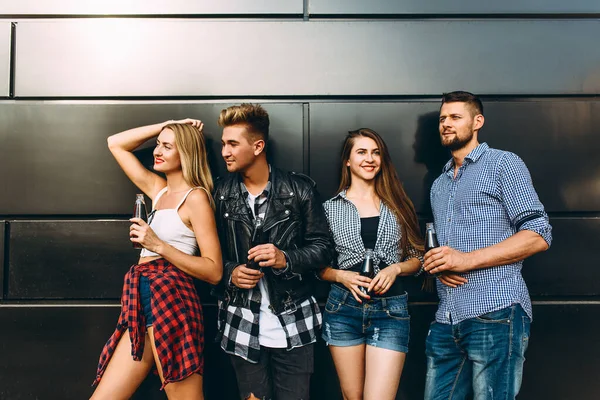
(431, 241)
(257, 239)
(367, 269)
(139, 211)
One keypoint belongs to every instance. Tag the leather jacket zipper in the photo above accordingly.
(276, 223)
(285, 233)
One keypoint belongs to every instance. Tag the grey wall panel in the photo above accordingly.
(3, 226)
(5, 39)
(145, 7)
(545, 134)
(63, 344)
(540, 132)
(445, 7)
(545, 272)
(409, 129)
(552, 327)
(68, 259)
(122, 57)
(60, 163)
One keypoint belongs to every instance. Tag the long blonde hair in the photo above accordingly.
(387, 186)
(191, 145)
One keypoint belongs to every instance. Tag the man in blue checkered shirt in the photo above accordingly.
(488, 219)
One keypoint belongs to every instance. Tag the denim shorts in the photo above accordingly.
(380, 322)
(145, 298)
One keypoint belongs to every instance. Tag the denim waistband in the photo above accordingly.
(343, 295)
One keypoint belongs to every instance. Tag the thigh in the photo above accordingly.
(349, 363)
(496, 344)
(123, 374)
(448, 370)
(189, 388)
(253, 379)
(291, 371)
(383, 370)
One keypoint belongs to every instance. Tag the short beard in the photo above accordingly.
(457, 144)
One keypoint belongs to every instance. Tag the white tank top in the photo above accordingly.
(169, 227)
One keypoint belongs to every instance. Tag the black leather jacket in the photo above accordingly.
(295, 222)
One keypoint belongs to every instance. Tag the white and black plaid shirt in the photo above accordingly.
(344, 222)
(241, 324)
(491, 198)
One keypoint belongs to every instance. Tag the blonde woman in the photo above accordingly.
(161, 317)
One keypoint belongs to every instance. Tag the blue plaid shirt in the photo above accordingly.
(490, 200)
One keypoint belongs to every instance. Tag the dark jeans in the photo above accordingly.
(279, 375)
(481, 357)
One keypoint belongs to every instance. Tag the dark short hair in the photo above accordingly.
(464, 97)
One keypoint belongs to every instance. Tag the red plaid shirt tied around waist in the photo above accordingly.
(178, 325)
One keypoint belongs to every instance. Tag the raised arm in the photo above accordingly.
(122, 145)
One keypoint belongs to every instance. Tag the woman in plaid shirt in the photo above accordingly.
(160, 309)
(368, 333)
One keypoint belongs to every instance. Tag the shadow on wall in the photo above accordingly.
(429, 152)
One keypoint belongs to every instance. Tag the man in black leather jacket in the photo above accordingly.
(268, 318)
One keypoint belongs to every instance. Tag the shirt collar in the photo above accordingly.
(473, 156)
(340, 195)
(265, 191)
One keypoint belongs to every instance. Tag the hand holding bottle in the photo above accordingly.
(140, 233)
(354, 282)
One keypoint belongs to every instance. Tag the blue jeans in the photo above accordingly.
(146, 300)
(480, 357)
(380, 322)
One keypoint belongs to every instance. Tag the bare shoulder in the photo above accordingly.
(197, 208)
(199, 198)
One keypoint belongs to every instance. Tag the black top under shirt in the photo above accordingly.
(368, 233)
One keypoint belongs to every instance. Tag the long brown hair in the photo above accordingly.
(388, 187)
(191, 145)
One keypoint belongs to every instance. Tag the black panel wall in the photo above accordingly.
(73, 73)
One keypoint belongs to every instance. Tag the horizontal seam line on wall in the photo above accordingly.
(308, 98)
(321, 16)
(455, 16)
(297, 16)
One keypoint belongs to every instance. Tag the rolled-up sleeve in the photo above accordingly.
(522, 203)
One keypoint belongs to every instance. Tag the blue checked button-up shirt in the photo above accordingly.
(491, 198)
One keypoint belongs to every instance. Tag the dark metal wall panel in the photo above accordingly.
(63, 344)
(119, 57)
(381, 7)
(409, 129)
(5, 38)
(544, 133)
(68, 259)
(60, 163)
(564, 353)
(145, 7)
(2, 263)
(545, 272)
